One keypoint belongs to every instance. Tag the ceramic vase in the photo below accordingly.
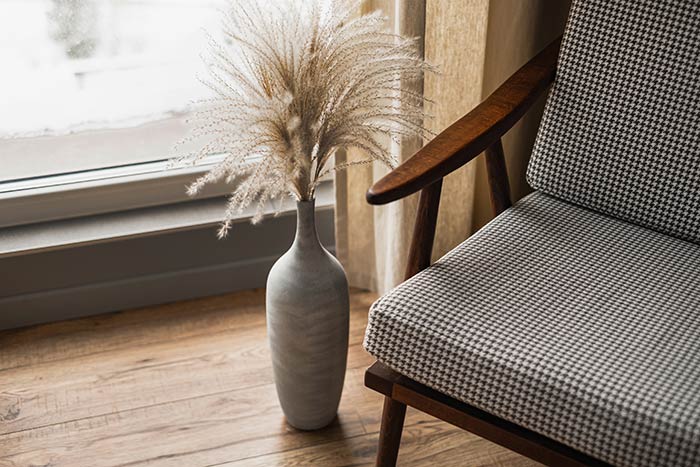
(307, 305)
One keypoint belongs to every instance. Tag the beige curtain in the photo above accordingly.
(476, 44)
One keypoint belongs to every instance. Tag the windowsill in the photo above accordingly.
(100, 191)
(99, 228)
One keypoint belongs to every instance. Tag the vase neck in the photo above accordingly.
(306, 235)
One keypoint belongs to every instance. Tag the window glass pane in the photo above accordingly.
(97, 83)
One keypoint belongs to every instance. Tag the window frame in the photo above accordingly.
(100, 191)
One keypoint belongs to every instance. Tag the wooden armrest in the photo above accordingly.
(472, 134)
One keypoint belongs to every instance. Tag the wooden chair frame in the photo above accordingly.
(478, 131)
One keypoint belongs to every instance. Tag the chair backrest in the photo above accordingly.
(621, 128)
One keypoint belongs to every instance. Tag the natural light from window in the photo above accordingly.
(97, 83)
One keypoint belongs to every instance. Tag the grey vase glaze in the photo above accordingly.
(308, 310)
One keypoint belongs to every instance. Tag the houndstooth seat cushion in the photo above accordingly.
(573, 324)
(621, 129)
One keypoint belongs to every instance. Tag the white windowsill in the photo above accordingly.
(67, 233)
(100, 191)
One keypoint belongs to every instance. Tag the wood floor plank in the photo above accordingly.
(200, 431)
(127, 329)
(124, 379)
(238, 426)
(190, 384)
(111, 331)
(425, 442)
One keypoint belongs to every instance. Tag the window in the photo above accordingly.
(89, 84)
(93, 95)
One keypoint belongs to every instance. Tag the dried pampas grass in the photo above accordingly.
(296, 81)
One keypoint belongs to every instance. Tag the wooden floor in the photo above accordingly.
(190, 384)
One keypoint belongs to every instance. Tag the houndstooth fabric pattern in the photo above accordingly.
(621, 128)
(576, 325)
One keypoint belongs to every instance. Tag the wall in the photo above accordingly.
(145, 270)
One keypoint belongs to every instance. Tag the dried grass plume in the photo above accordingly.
(293, 82)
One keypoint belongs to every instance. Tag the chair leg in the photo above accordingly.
(390, 432)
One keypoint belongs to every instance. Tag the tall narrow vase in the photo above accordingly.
(307, 325)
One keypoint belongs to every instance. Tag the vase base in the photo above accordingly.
(307, 425)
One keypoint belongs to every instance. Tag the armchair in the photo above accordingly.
(567, 329)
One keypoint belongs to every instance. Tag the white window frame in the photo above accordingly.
(100, 191)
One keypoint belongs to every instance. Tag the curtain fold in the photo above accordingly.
(476, 44)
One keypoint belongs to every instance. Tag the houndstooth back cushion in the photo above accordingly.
(621, 129)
